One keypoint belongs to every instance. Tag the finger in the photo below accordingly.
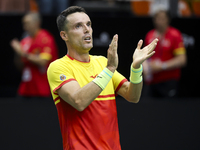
(152, 45)
(139, 44)
(113, 39)
(150, 54)
(113, 45)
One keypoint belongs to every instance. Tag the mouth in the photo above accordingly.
(87, 38)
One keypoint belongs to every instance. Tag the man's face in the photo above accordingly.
(161, 20)
(29, 25)
(79, 32)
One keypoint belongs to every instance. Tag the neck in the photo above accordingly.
(78, 54)
(162, 31)
(84, 57)
(34, 33)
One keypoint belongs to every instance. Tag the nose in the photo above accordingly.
(86, 29)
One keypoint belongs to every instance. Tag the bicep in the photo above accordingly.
(123, 89)
(181, 59)
(67, 92)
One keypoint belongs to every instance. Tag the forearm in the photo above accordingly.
(81, 97)
(176, 62)
(134, 92)
(131, 91)
(85, 95)
(36, 59)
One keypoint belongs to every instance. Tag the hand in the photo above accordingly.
(156, 66)
(140, 55)
(112, 54)
(15, 44)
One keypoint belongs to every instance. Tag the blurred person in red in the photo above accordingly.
(163, 70)
(33, 55)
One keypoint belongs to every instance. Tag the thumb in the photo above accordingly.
(139, 44)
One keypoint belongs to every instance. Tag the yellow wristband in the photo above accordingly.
(103, 78)
(136, 75)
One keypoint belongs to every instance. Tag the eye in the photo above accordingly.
(78, 26)
(88, 24)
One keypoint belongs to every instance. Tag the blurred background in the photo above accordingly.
(151, 124)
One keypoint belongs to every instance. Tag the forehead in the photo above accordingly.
(161, 14)
(77, 17)
(27, 18)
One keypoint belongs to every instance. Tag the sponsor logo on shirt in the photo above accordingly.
(94, 76)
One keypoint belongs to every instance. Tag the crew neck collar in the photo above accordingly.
(77, 60)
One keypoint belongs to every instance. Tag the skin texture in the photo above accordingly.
(78, 28)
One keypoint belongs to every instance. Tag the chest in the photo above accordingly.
(164, 48)
(84, 75)
(35, 45)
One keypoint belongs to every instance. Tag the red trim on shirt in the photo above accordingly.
(70, 57)
(56, 98)
(66, 81)
(120, 84)
(105, 96)
(76, 59)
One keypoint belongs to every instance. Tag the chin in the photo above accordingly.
(88, 47)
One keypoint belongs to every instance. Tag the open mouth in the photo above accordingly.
(87, 38)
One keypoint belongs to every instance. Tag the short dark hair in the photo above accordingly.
(62, 17)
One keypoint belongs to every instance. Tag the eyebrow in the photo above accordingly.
(82, 22)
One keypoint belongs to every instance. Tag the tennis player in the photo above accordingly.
(84, 86)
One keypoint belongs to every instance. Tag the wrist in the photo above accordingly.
(112, 69)
(136, 74)
(103, 78)
(135, 66)
(164, 66)
(25, 55)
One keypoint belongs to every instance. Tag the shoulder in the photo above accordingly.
(27, 38)
(98, 58)
(45, 33)
(45, 37)
(174, 32)
(149, 37)
(150, 33)
(59, 64)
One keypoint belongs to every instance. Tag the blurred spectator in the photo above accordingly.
(162, 71)
(196, 7)
(34, 53)
(33, 6)
(140, 8)
(185, 8)
(49, 7)
(147, 7)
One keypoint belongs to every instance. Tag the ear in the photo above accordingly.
(63, 35)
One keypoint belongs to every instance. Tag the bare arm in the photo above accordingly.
(79, 97)
(36, 59)
(128, 90)
(176, 62)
